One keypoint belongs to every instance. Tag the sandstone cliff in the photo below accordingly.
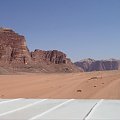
(15, 55)
(53, 56)
(98, 65)
(13, 49)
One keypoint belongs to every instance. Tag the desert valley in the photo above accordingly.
(91, 85)
(50, 74)
(59, 60)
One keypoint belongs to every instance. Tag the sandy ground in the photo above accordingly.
(91, 85)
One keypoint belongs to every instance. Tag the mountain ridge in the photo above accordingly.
(98, 65)
(15, 55)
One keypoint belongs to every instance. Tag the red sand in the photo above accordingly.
(69, 85)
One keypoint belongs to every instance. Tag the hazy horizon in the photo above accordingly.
(81, 29)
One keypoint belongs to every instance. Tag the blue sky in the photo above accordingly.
(80, 28)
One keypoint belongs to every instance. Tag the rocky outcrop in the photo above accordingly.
(98, 65)
(85, 64)
(15, 54)
(13, 49)
(53, 56)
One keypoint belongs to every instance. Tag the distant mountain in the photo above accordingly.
(98, 65)
(15, 56)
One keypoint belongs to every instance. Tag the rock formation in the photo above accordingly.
(53, 56)
(15, 54)
(98, 65)
(13, 48)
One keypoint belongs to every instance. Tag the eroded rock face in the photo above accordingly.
(85, 64)
(13, 48)
(98, 65)
(53, 56)
(53, 61)
(15, 54)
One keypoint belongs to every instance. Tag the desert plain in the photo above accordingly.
(83, 85)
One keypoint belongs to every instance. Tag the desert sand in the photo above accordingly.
(91, 85)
